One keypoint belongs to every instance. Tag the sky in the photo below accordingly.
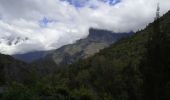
(36, 25)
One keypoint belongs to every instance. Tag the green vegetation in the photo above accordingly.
(155, 65)
(135, 68)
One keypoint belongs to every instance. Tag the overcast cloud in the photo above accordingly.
(50, 24)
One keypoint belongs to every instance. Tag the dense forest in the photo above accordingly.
(134, 68)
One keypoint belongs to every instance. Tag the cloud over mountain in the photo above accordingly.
(49, 24)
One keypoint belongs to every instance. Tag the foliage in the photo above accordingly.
(130, 69)
(18, 91)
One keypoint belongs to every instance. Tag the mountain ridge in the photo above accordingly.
(97, 37)
(97, 40)
(112, 74)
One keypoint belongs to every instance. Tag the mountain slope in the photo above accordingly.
(115, 72)
(8, 42)
(12, 70)
(31, 56)
(97, 40)
(84, 48)
(112, 74)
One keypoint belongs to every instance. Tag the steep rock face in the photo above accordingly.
(97, 40)
(84, 48)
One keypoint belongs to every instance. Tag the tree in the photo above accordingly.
(155, 66)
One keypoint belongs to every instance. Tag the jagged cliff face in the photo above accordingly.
(84, 48)
(93, 43)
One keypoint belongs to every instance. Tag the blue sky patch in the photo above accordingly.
(45, 21)
(82, 3)
(111, 2)
(77, 3)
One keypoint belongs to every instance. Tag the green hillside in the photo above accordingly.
(124, 71)
(12, 70)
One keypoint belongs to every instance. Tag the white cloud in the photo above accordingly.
(50, 24)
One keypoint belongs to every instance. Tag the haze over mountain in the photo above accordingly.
(96, 40)
(42, 25)
(123, 71)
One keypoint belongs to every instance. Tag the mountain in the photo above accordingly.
(31, 56)
(84, 48)
(118, 72)
(97, 40)
(8, 42)
(12, 70)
